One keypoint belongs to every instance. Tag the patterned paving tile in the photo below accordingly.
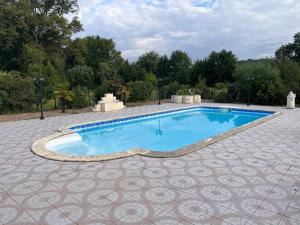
(251, 178)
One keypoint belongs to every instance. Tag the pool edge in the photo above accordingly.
(38, 147)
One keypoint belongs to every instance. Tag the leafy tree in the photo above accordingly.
(151, 78)
(197, 71)
(149, 62)
(219, 67)
(163, 70)
(38, 25)
(180, 64)
(100, 50)
(81, 99)
(75, 53)
(112, 86)
(140, 90)
(171, 89)
(64, 94)
(290, 51)
(33, 59)
(80, 75)
(260, 84)
(16, 93)
(131, 72)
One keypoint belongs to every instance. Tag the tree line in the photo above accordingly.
(38, 57)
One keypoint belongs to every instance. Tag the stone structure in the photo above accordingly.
(108, 103)
(187, 99)
(290, 101)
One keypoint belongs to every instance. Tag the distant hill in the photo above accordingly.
(253, 61)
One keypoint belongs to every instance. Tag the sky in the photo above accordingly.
(249, 28)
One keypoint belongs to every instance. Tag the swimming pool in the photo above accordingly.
(163, 132)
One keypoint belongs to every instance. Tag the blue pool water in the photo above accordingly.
(160, 132)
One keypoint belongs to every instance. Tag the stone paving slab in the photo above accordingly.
(250, 178)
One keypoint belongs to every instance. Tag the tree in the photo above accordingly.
(16, 93)
(140, 90)
(81, 99)
(100, 50)
(80, 75)
(64, 94)
(290, 74)
(75, 53)
(219, 67)
(197, 71)
(163, 70)
(260, 83)
(290, 51)
(38, 24)
(180, 64)
(131, 72)
(149, 62)
(112, 86)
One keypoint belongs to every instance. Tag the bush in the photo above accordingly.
(80, 75)
(189, 91)
(16, 93)
(140, 90)
(261, 83)
(208, 93)
(112, 86)
(81, 97)
(171, 89)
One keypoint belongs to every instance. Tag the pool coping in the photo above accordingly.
(38, 147)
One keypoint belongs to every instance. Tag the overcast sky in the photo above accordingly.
(250, 28)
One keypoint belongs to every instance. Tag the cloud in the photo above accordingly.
(251, 29)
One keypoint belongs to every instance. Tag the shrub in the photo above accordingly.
(261, 83)
(171, 89)
(189, 91)
(16, 93)
(112, 86)
(80, 75)
(140, 90)
(81, 98)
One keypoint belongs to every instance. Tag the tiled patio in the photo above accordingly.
(250, 178)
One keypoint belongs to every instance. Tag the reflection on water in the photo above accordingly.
(89, 136)
(219, 117)
(159, 130)
(180, 117)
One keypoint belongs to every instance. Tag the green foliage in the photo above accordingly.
(33, 59)
(81, 97)
(197, 72)
(219, 67)
(140, 90)
(64, 94)
(171, 89)
(260, 83)
(16, 93)
(75, 53)
(188, 91)
(290, 74)
(112, 86)
(151, 78)
(131, 72)
(290, 51)
(80, 75)
(28, 28)
(100, 50)
(179, 66)
(201, 85)
(149, 62)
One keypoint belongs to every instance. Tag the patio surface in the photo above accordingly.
(250, 178)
